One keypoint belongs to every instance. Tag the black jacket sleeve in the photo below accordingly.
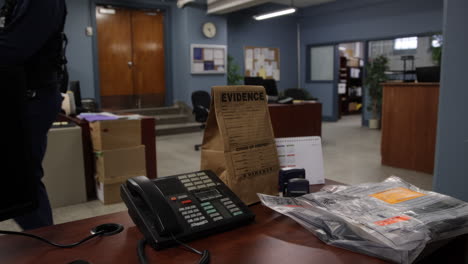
(34, 22)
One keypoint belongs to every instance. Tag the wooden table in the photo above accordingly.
(296, 120)
(272, 238)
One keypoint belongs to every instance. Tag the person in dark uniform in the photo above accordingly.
(31, 37)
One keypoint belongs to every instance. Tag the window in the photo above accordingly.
(436, 41)
(322, 63)
(410, 43)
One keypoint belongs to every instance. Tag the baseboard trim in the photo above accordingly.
(329, 119)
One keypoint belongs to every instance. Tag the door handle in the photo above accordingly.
(130, 64)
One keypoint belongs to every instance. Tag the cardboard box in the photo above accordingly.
(115, 134)
(353, 62)
(122, 164)
(352, 107)
(109, 193)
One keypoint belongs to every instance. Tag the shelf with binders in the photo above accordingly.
(350, 88)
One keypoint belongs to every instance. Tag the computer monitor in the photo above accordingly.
(270, 87)
(76, 90)
(257, 81)
(18, 186)
(428, 74)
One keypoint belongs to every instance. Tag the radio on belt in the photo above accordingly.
(287, 175)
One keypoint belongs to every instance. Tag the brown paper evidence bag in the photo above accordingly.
(239, 144)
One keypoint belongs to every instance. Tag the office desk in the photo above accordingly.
(272, 238)
(296, 120)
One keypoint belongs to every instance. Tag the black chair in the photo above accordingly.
(201, 101)
(297, 94)
(256, 81)
(271, 90)
(76, 90)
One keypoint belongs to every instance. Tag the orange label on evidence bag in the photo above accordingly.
(397, 195)
(392, 220)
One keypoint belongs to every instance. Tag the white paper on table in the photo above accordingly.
(218, 54)
(208, 54)
(302, 152)
(218, 62)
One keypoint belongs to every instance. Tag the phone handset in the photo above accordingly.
(166, 222)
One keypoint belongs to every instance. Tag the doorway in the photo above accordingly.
(131, 57)
(350, 80)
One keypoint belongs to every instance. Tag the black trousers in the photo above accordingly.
(41, 111)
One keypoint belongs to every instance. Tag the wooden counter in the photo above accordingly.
(409, 125)
(296, 120)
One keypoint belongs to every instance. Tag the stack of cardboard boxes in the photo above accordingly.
(119, 155)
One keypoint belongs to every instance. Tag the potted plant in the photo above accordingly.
(234, 77)
(437, 50)
(374, 78)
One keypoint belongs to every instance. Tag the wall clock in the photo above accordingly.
(209, 30)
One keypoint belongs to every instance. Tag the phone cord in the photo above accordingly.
(49, 242)
(205, 259)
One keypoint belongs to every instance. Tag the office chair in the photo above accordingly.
(201, 101)
(256, 81)
(297, 94)
(76, 90)
(271, 90)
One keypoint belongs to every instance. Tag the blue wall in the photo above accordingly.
(353, 20)
(343, 20)
(276, 33)
(80, 47)
(189, 32)
(451, 171)
(184, 29)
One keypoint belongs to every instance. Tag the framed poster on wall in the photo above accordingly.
(208, 59)
(262, 62)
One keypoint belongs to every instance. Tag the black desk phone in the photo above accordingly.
(183, 207)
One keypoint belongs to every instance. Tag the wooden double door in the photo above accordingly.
(131, 58)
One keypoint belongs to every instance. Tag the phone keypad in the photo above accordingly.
(193, 216)
(213, 206)
(196, 181)
(231, 207)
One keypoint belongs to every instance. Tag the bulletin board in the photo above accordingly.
(263, 62)
(208, 59)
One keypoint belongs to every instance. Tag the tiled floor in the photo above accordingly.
(351, 155)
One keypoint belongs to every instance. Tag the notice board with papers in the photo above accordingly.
(208, 59)
(262, 62)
